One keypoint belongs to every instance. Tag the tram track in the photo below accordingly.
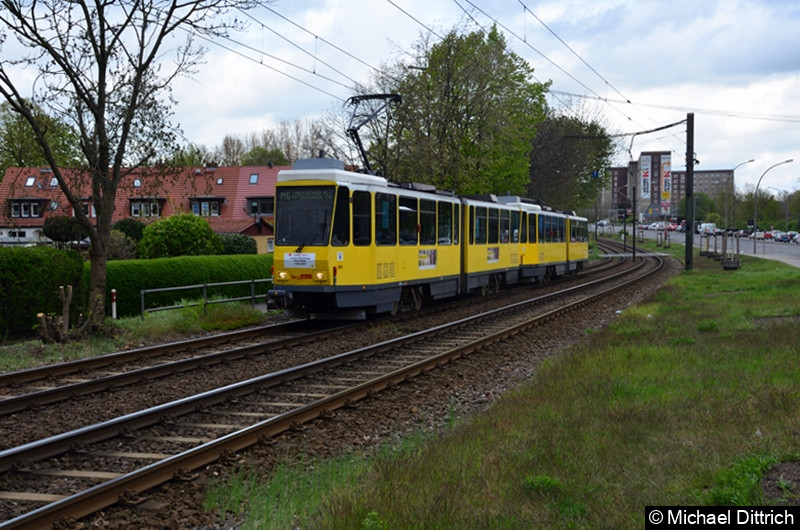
(352, 381)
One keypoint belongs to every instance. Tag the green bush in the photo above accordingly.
(179, 235)
(239, 244)
(29, 282)
(129, 277)
(63, 229)
(133, 228)
(121, 246)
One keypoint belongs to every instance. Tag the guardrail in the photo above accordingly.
(205, 302)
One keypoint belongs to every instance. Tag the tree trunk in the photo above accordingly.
(97, 284)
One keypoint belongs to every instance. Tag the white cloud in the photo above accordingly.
(734, 63)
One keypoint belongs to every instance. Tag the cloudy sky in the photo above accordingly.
(643, 64)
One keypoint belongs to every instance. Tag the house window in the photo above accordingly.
(30, 182)
(53, 182)
(253, 178)
(137, 183)
(262, 206)
(85, 207)
(25, 209)
(208, 208)
(220, 181)
(145, 208)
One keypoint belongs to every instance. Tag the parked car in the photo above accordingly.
(758, 234)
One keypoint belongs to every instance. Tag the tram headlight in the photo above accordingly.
(281, 275)
(320, 276)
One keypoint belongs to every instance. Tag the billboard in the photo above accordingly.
(645, 174)
(666, 183)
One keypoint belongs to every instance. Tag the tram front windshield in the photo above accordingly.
(303, 215)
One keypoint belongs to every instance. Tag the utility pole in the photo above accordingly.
(689, 190)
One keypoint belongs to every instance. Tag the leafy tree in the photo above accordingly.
(179, 235)
(568, 161)
(238, 244)
(261, 156)
(133, 228)
(18, 147)
(63, 230)
(103, 67)
(467, 116)
(191, 156)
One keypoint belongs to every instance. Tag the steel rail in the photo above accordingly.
(100, 361)
(37, 399)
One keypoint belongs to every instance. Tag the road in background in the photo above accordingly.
(786, 252)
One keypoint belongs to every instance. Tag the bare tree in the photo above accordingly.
(104, 68)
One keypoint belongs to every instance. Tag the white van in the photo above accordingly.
(708, 229)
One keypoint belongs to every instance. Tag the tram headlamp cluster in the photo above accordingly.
(285, 275)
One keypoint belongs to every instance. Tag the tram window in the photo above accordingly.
(544, 228)
(427, 222)
(385, 219)
(445, 223)
(494, 225)
(515, 235)
(341, 218)
(532, 228)
(577, 230)
(362, 223)
(471, 227)
(303, 215)
(480, 224)
(409, 228)
(560, 229)
(505, 226)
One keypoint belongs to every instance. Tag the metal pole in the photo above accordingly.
(689, 190)
(755, 200)
(634, 224)
(733, 188)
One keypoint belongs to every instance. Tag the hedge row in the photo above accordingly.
(30, 278)
(29, 284)
(129, 277)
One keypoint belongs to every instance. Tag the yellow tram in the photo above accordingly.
(350, 244)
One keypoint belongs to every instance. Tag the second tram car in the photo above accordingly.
(349, 244)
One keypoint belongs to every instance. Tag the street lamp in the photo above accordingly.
(755, 200)
(733, 188)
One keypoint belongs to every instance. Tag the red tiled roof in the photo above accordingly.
(230, 186)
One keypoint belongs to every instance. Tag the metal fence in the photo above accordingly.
(205, 302)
